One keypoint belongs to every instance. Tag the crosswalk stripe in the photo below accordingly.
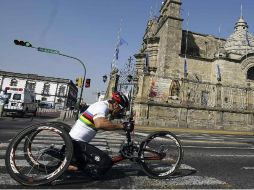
(231, 155)
(218, 147)
(248, 168)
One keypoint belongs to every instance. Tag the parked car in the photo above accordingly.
(46, 105)
(21, 101)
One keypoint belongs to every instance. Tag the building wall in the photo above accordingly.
(226, 107)
(67, 98)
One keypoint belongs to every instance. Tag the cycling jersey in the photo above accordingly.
(84, 128)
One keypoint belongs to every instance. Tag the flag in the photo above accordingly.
(121, 42)
(116, 53)
(218, 73)
(185, 69)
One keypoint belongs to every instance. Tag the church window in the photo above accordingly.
(250, 73)
(204, 98)
(174, 88)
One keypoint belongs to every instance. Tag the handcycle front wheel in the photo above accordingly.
(160, 154)
(52, 137)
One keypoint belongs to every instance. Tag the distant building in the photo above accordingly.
(56, 92)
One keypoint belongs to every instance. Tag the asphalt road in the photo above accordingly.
(210, 161)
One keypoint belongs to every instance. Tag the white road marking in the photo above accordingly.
(232, 155)
(248, 168)
(220, 147)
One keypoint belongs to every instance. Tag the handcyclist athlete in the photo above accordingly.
(87, 156)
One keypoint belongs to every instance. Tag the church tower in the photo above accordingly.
(170, 32)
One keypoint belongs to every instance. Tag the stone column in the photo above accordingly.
(248, 98)
(249, 106)
(218, 100)
(219, 114)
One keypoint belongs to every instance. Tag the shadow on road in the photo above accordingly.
(115, 174)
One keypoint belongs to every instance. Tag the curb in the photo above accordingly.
(177, 130)
(188, 130)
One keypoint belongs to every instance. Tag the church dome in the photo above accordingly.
(241, 42)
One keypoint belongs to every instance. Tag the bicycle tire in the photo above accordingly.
(160, 154)
(23, 172)
(31, 159)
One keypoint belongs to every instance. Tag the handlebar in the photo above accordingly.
(128, 126)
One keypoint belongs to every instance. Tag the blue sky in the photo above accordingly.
(87, 29)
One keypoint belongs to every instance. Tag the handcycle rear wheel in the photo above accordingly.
(160, 154)
(37, 173)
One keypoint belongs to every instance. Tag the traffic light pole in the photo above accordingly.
(46, 50)
(82, 87)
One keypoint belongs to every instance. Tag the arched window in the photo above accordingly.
(46, 88)
(30, 85)
(43, 99)
(14, 82)
(250, 73)
(174, 88)
(61, 91)
(59, 100)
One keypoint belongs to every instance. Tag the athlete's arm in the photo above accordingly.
(105, 124)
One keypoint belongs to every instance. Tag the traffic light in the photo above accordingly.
(79, 82)
(88, 81)
(22, 43)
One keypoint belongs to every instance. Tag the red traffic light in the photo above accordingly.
(88, 81)
(22, 43)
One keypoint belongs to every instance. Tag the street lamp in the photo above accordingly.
(47, 50)
(104, 78)
(129, 78)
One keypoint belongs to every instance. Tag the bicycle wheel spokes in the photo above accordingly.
(44, 150)
(160, 154)
(36, 156)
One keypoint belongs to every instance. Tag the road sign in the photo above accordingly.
(46, 50)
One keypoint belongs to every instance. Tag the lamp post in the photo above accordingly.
(104, 78)
(83, 82)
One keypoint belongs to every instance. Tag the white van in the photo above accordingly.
(20, 101)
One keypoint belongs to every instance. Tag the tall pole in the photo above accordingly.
(83, 82)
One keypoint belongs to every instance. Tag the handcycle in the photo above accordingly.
(41, 153)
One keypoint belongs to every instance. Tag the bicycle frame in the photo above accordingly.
(135, 148)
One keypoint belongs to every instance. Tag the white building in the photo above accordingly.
(60, 93)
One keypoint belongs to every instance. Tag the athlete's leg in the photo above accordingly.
(89, 156)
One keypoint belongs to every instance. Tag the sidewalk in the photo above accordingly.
(189, 130)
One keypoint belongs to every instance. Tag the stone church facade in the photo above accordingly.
(192, 80)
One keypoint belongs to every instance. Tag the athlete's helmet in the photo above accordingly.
(121, 99)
